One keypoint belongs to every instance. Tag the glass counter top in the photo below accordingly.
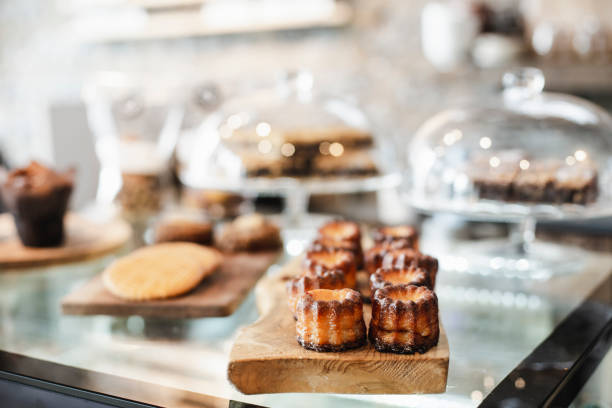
(492, 325)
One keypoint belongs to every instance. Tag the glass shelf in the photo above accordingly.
(492, 325)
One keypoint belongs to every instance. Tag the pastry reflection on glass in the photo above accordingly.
(38, 197)
(252, 232)
(404, 319)
(330, 320)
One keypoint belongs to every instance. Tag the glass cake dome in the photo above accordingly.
(521, 153)
(287, 136)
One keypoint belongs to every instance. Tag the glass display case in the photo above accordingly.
(519, 156)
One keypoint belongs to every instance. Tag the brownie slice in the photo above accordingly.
(577, 184)
(492, 175)
(535, 182)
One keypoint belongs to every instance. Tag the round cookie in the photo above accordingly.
(160, 271)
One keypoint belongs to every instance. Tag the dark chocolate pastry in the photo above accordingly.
(37, 197)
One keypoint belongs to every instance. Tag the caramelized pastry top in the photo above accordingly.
(341, 231)
(406, 276)
(326, 260)
(330, 299)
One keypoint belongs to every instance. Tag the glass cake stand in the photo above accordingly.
(519, 157)
(290, 140)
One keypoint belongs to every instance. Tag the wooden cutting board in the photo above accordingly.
(266, 357)
(85, 239)
(218, 295)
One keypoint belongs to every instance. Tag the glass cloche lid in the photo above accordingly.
(289, 134)
(523, 152)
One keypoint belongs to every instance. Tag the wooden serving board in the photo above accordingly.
(84, 239)
(217, 295)
(266, 358)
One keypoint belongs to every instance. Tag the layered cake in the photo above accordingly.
(330, 320)
(404, 319)
(514, 176)
(37, 197)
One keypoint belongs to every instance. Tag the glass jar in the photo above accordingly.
(135, 127)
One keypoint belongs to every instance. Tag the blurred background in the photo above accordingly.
(400, 62)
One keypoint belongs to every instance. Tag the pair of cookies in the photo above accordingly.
(160, 271)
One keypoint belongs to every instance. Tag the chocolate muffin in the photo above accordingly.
(37, 197)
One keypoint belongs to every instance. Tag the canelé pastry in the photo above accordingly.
(37, 197)
(406, 257)
(317, 262)
(328, 244)
(342, 232)
(373, 257)
(249, 233)
(160, 271)
(391, 277)
(404, 319)
(405, 233)
(329, 279)
(183, 230)
(330, 320)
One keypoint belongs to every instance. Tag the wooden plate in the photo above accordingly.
(84, 239)
(266, 358)
(218, 295)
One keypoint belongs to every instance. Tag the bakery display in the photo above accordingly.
(160, 271)
(250, 232)
(330, 267)
(404, 319)
(514, 176)
(37, 197)
(407, 276)
(184, 230)
(319, 262)
(330, 320)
